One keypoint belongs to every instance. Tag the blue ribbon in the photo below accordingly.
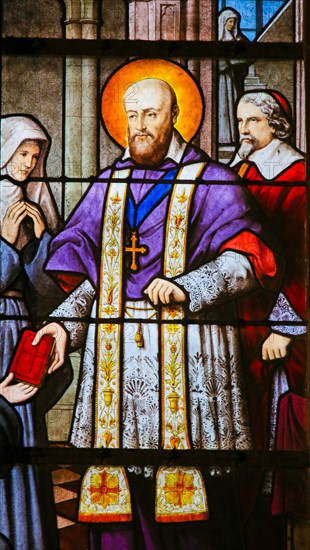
(136, 214)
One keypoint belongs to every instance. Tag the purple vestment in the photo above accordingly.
(218, 213)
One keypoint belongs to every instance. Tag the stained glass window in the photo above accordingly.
(153, 238)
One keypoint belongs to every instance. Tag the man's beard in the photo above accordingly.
(247, 147)
(149, 151)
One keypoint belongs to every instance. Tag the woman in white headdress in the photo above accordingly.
(231, 76)
(28, 219)
(22, 138)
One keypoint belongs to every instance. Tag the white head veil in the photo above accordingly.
(223, 33)
(14, 130)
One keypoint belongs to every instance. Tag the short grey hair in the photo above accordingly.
(277, 118)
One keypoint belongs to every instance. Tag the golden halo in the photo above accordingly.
(188, 95)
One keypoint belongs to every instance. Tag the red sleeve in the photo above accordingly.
(68, 281)
(262, 258)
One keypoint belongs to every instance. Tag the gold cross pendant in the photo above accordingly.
(135, 250)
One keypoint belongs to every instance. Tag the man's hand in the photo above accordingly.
(276, 346)
(38, 221)
(60, 335)
(14, 216)
(16, 393)
(165, 292)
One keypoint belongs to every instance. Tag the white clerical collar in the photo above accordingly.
(272, 159)
(175, 151)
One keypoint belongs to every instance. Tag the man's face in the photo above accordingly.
(151, 118)
(254, 130)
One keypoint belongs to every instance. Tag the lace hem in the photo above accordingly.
(283, 311)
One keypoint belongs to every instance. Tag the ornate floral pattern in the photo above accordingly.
(217, 281)
(181, 495)
(82, 428)
(98, 502)
(104, 495)
(219, 416)
(141, 398)
(216, 407)
(104, 489)
(283, 311)
(179, 488)
(175, 432)
(107, 410)
(78, 305)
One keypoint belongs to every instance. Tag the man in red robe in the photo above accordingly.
(278, 356)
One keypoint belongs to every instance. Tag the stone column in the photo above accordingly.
(73, 106)
(154, 19)
(89, 153)
(81, 117)
(207, 31)
(192, 33)
(139, 20)
(300, 81)
(252, 81)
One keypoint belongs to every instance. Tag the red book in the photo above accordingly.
(30, 363)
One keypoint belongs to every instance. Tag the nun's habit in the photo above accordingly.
(231, 79)
(24, 289)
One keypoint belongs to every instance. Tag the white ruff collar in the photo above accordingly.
(272, 159)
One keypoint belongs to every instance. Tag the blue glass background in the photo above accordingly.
(249, 24)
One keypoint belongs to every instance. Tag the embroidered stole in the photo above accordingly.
(180, 492)
(105, 495)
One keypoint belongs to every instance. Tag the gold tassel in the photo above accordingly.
(139, 337)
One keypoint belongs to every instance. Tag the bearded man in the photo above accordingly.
(265, 156)
(157, 256)
(265, 159)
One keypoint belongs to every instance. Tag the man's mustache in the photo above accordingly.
(140, 134)
(247, 137)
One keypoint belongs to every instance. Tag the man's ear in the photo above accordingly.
(175, 113)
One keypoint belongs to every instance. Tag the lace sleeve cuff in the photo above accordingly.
(283, 311)
(78, 305)
(228, 276)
